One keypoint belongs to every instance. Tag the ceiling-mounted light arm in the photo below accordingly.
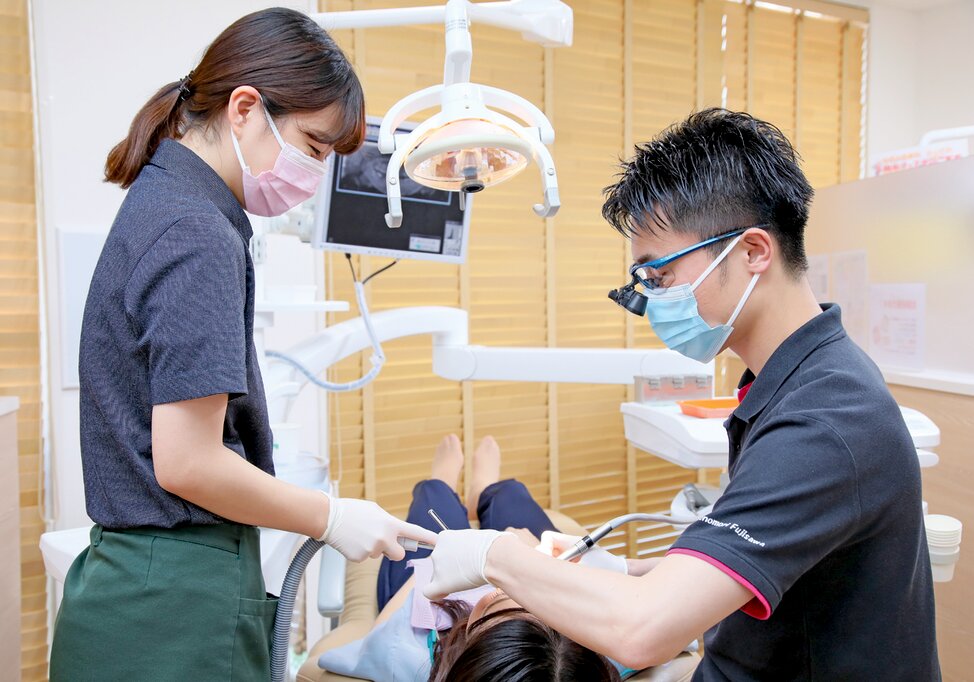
(380, 18)
(547, 22)
(459, 48)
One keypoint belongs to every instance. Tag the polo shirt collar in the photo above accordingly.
(786, 358)
(195, 173)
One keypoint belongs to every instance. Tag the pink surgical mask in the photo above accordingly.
(294, 178)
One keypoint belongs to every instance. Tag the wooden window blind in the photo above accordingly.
(20, 320)
(587, 102)
(663, 69)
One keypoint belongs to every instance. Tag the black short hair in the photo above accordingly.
(511, 646)
(713, 172)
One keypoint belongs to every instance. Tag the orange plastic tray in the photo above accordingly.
(709, 408)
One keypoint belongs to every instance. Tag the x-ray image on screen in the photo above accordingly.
(364, 172)
(351, 207)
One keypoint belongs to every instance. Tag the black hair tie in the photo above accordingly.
(184, 92)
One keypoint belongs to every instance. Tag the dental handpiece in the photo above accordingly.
(586, 543)
(411, 545)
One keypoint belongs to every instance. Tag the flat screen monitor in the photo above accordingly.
(351, 205)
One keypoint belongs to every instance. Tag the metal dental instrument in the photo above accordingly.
(438, 520)
(411, 545)
(586, 543)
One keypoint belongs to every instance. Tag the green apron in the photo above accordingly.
(165, 604)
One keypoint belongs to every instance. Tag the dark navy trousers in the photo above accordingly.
(502, 505)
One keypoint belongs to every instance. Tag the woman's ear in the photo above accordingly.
(243, 105)
(759, 247)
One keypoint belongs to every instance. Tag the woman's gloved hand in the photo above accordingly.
(553, 544)
(360, 529)
(459, 560)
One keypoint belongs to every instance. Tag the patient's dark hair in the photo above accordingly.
(505, 646)
(715, 171)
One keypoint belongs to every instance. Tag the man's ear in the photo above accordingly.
(759, 249)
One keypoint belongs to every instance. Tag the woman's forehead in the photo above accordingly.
(323, 125)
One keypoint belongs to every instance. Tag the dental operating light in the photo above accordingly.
(481, 136)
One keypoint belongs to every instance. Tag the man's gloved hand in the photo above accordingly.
(553, 544)
(360, 529)
(459, 560)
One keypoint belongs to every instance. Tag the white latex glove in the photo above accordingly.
(553, 544)
(459, 560)
(360, 529)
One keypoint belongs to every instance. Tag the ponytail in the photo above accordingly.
(159, 118)
(284, 54)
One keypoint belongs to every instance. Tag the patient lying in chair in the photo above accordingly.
(480, 635)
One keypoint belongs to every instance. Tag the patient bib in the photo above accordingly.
(427, 615)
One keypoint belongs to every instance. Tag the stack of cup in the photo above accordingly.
(943, 539)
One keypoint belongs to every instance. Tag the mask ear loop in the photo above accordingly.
(236, 144)
(270, 121)
(747, 295)
(236, 148)
(710, 268)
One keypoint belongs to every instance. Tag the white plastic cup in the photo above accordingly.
(943, 541)
(944, 554)
(942, 573)
(942, 562)
(942, 530)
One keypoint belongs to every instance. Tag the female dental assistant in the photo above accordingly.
(175, 440)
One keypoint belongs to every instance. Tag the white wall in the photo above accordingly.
(891, 80)
(96, 63)
(945, 88)
(921, 70)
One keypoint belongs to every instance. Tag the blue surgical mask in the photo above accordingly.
(674, 316)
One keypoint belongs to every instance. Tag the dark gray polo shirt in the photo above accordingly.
(822, 522)
(169, 317)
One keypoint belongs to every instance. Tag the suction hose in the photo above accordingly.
(285, 609)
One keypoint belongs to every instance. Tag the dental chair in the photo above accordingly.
(361, 611)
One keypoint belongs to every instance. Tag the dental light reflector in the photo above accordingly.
(467, 155)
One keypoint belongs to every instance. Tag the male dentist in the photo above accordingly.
(813, 565)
